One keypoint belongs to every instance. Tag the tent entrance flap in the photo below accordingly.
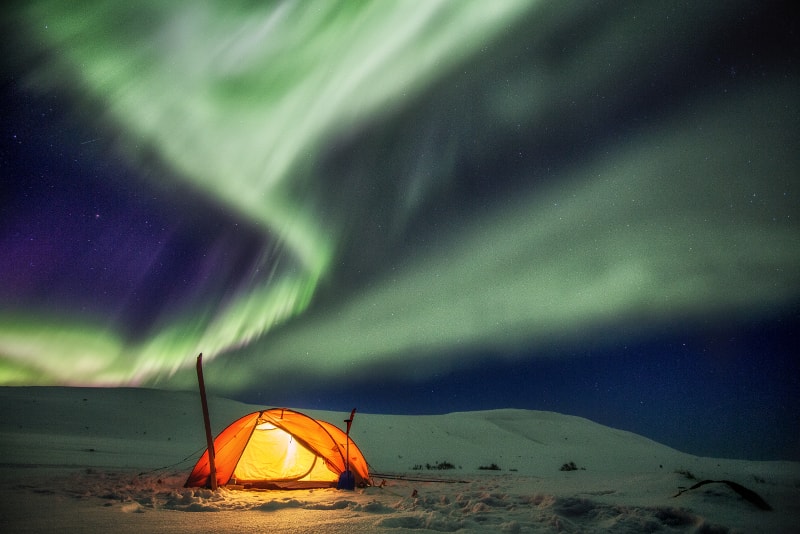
(274, 454)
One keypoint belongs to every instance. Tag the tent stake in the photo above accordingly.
(212, 477)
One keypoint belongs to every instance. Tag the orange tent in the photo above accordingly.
(280, 449)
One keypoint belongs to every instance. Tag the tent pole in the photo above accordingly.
(346, 479)
(347, 446)
(212, 478)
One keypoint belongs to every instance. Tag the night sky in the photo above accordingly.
(412, 207)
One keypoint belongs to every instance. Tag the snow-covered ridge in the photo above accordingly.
(91, 456)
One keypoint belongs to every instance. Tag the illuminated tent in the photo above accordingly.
(280, 449)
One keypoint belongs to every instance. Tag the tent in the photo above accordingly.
(280, 449)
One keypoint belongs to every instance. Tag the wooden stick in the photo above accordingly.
(212, 477)
(746, 493)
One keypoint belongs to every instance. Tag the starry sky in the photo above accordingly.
(412, 207)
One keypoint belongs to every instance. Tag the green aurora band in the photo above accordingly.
(235, 97)
(679, 222)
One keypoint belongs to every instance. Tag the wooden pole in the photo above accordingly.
(212, 478)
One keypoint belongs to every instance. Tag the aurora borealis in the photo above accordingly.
(388, 194)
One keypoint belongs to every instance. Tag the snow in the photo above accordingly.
(88, 460)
